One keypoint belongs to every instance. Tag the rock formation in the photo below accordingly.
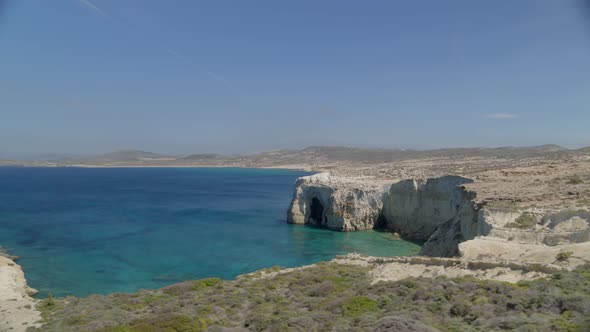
(17, 308)
(416, 208)
(442, 211)
(342, 204)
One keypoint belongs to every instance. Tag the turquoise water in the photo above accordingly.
(81, 231)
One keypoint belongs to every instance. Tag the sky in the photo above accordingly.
(94, 76)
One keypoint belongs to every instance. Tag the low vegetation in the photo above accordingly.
(564, 256)
(524, 221)
(508, 206)
(576, 179)
(333, 297)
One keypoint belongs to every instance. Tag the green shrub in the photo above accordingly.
(178, 289)
(359, 305)
(50, 301)
(564, 256)
(524, 221)
(171, 324)
(274, 268)
(502, 205)
(48, 305)
(563, 323)
(76, 320)
(122, 329)
(575, 180)
(480, 300)
(207, 282)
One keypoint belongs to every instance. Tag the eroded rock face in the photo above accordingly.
(341, 204)
(416, 208)
(439, 211)
(464, 225)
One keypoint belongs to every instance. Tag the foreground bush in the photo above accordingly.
(332, 297)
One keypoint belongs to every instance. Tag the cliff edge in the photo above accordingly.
(417, 209)
(488, 216)
(17, 308)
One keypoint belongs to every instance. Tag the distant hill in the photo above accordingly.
(390, 155)
(127, 155)
(313, 155)
(203, 156)
(132, 154)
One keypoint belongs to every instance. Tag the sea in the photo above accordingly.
(82, 231)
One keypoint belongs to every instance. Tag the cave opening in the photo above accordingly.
(316, 212)
(380, 223)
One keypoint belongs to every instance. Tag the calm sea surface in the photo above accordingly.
(81, 231)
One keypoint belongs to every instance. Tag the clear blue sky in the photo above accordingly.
(92, 76)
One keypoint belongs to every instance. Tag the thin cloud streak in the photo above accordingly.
(94, 8)
(219, 78)
(499, 116)
(173, 52)
(209, 73)
(170, 51)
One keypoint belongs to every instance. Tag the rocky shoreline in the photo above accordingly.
(445, 213)
(18, 310)
(506, 224)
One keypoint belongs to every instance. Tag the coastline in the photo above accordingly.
(302, 168)
(261, 300)
(18, 310)
(486, 209)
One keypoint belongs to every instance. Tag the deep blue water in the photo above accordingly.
(81, 231)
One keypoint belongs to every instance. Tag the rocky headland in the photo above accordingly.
(523, 214)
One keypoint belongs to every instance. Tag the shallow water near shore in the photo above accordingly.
(81, 231)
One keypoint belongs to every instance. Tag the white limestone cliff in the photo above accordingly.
(439, 211)
(415, 208)
(343, 204)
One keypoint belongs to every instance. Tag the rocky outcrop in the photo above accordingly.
(493, 249)
(414, 208)
(439, 211)
(12, 279)
(549, 234)
(342, 204)
(17, 308)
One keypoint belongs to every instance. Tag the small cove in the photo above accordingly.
(82, 231)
